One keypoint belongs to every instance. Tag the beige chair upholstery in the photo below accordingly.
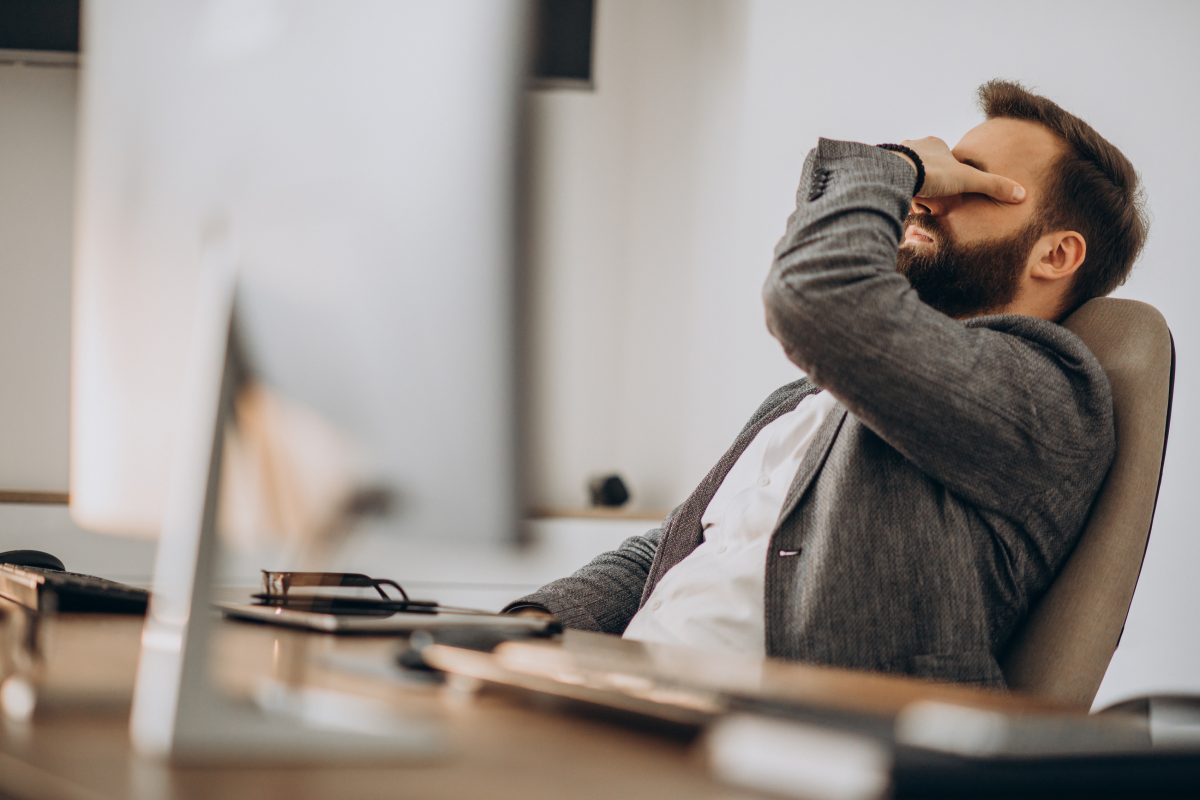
(1064, 647)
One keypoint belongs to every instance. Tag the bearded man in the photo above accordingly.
(902, 506)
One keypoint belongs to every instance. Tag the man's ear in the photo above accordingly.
(1058, 255)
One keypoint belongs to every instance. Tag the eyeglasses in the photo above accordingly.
(278, 586)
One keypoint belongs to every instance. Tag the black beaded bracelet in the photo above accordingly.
(916, 159)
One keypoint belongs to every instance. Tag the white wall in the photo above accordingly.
(676, 176)
(37, 172)
(37, 168)
(624, 181)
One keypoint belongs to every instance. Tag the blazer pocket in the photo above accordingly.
(975, 667)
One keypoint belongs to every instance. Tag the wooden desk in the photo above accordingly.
(78, 748)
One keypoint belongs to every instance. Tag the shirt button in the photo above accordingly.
(764, 481)
(723, 548)
(656, 605)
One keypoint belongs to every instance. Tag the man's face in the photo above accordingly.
(968, 254)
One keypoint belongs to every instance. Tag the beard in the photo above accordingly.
(965, 280)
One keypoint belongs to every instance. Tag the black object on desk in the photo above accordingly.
(364, 606)
(1146, 774)
(32, 558)
(44, 589)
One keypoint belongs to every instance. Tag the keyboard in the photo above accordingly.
(69, 592)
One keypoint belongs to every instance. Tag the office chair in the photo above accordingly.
(1062, 650)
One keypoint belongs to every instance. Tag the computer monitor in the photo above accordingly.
(352, 170)
(360, 159)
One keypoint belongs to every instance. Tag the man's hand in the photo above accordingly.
(945, 175)
(533, 612)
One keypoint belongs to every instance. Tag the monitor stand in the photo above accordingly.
(179, 711)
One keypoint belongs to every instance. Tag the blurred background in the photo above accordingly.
(661, 181)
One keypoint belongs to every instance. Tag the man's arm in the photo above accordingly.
(603, 595)
(993, 416)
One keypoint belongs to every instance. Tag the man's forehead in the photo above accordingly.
(1016, 148)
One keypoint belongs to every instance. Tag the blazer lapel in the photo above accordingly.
(812, 462)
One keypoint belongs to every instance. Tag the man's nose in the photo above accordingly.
(934, 206)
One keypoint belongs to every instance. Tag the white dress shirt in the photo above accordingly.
(713, 599)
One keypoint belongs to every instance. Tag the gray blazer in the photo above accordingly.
(941, 494)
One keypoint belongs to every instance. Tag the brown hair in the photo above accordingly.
(1092, 189)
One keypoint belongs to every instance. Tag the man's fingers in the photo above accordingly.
(946, 175)
(1003, 189)
(1010, 191)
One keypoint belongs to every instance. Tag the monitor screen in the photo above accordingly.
(360, 163)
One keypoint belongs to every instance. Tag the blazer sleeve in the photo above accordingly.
(604, 594)
(995, 413)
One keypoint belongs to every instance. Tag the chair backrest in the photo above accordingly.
(1064, 647)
